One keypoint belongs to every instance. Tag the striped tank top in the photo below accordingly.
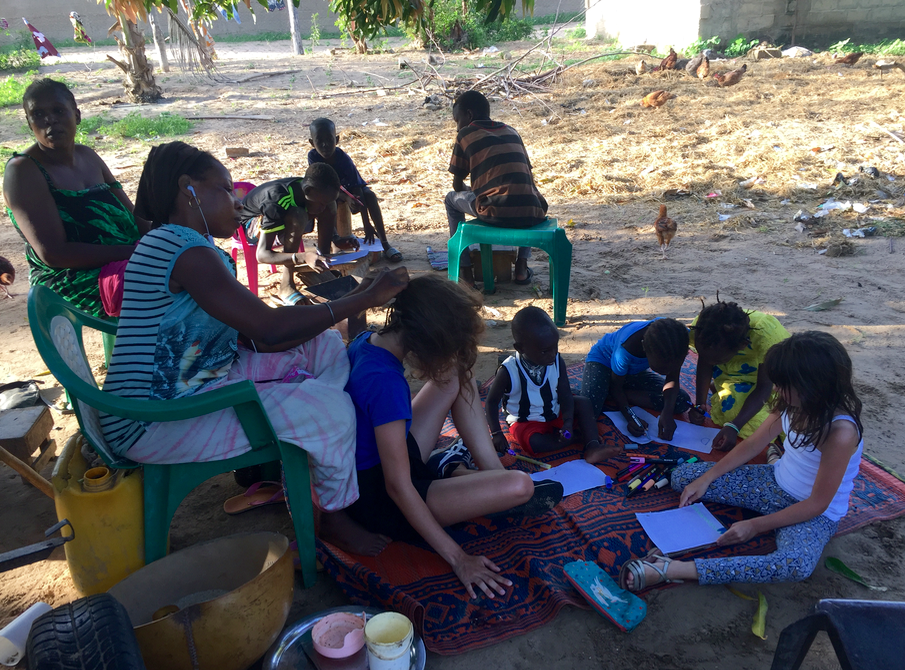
(166, 346)
(527, 401)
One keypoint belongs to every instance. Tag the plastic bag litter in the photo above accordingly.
(866, 231)
(797, 52)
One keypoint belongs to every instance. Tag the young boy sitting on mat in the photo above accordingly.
(324, 140)
(286, 209)
(503, 192)
(534, 388)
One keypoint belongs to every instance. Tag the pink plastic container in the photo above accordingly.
(339, 635)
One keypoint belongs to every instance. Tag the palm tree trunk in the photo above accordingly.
(139, 83)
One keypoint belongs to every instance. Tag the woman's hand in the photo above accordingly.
(725, 439)
(694, 491)
(385, 285)
(314, 260)
(482, 571)
(666, 427)
(696, 415)
(738, 533)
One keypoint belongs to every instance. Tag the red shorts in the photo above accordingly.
(523, 430)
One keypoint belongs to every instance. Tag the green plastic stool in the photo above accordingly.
(547, 236)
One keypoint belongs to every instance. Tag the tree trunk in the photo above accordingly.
(139, 83)
(294, 29)
(158, 41)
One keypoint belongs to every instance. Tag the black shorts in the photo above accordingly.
(376, 511)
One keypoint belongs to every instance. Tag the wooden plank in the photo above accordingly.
(249, 117)
(23, 469)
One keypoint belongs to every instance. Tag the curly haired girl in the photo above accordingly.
(434, 325)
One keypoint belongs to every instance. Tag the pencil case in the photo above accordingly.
(624, 609)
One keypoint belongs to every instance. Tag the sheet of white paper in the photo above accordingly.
(575, 476)
(345, 257)
(376, 245)
(676, 530)
(687, 435)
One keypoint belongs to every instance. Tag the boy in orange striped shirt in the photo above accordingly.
(503, 192)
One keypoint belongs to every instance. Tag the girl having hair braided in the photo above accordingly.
(731, 344)
(639, 365)
(182, 315)
(406, 491)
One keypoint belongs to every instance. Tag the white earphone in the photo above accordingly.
(191, 189)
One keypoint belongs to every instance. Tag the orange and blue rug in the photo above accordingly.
(596, 525)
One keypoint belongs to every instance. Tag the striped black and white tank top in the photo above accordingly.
(527, 401)
(166, 346)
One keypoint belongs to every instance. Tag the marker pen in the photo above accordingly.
(633, 471)
(641, 475)
(642, 486)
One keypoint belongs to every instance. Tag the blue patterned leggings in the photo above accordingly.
(798, 547)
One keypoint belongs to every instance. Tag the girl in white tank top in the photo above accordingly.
(802, 497)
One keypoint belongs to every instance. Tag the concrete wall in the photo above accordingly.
(51, 17)
(660, 22)
(680, 22)
(816, 20)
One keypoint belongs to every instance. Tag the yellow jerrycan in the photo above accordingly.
(106, 510)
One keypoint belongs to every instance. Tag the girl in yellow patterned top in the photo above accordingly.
(731, 344)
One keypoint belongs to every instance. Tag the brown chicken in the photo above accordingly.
(848, 59)
(666, 230)
(656, 99)
(669, 63)
(7, 275)
(699, 67)
(730, 78)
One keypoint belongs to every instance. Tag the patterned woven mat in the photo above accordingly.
(595, 525)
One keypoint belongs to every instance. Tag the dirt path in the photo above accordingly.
(604, 165)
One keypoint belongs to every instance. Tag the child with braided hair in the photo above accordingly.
(731, 345)
(639, 365)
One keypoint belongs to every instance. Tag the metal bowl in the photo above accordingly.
(291, 651)
(217, 604)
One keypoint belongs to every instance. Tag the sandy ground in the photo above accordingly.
(603, 166)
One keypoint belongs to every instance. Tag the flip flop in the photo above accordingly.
(527, 280)
(292, 299)
(392, 254)
(547, 495)
(257, 495)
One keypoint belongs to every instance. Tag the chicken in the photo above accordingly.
(669, 63)
(730, 78)
(665, 229)
(848, 59)
(641, 67)
(7, 275)
(699, 67)
(887, 65)
(656, 99)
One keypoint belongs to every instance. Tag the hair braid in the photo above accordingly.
(722, 325)
(158, 187)
(666, 339)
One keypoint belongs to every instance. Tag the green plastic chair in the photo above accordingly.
(547, 236)
(57, 328)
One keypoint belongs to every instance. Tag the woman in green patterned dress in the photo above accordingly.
(63, 200)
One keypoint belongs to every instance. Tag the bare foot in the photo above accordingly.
(521, 269)
(595, 452)
(340, 529)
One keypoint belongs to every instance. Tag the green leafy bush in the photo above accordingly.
(737, 47)
(13, 88)
(134, 125)
(19, 59)
(444, 18)
(577, 33)
(884, 48)
(740, 46)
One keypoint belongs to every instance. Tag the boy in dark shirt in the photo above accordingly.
(288, 208)
(324, 140)
(502, 191)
